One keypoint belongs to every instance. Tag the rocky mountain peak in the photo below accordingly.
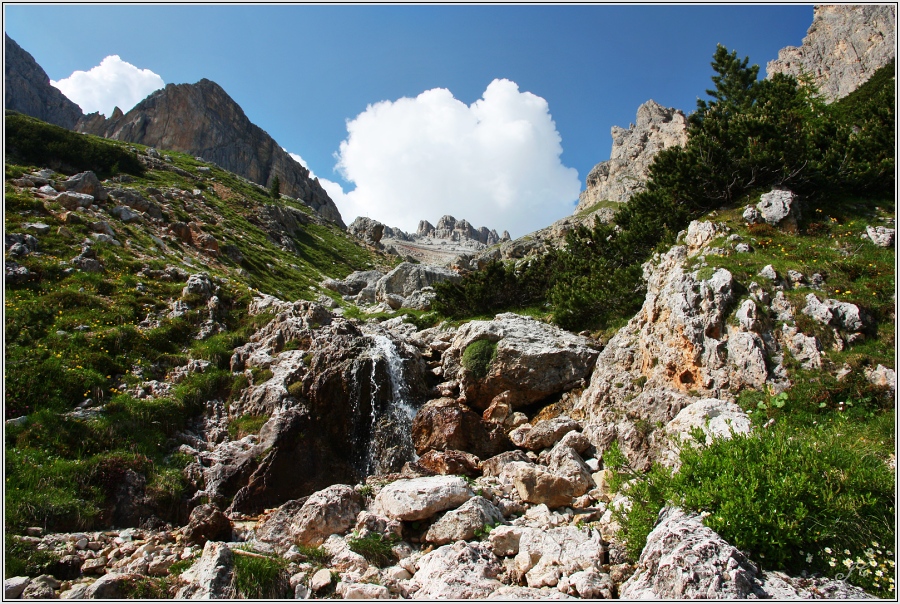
(203, 120)
(633, 150)
(28, 90)
(843, 47)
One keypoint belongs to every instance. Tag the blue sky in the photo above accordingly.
(301, 72)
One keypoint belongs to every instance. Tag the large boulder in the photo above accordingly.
(444, 424)
(684, 559)
(536, 485)
(461, 571)
(87, 183)
(464, 522)
(207, 523)
(366, 229)
(420, 498)
(407, 278)
(779, 207)
(533, 361)
(326, 512)
(546, 555)
(212, 577)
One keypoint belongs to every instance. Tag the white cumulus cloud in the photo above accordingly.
(495, 163)
(112, 83)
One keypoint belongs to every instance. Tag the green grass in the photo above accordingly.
(374, 547)
(75, 336)
(239, 427)
(612, 205)
(260, 577)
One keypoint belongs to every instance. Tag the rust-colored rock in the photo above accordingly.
(451, 462)
(444, 424)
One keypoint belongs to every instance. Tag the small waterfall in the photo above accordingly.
(391, 437)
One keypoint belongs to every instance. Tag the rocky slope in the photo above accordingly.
(202, 120)
(844, 46)
(440, 245)
(633, 150)
(28, 89)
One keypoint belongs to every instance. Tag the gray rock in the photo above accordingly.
(28, 90)
(125, 214)
(420, 498)
(326, 512)
(752, 216)
(362, 591)
(546, 433)
(881, 236)
(684, 559)
(769, 273)
(212, 576)
(370, 231)
(407, 277)
(536, 485)
(40, 588)
(463, 522)
(70, 200)
(779, 208)
(843, 47)
(14, 586)
(533, 361)
(199, 284)
(85, 182)
(460, 571)
(633, 150)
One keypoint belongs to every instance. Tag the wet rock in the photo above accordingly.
(420, 498)
(464, 522)
(444, 424)
(458, 571)
(533, 360)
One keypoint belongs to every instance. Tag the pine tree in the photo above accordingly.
(275, 188)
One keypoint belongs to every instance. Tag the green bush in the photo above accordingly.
(374, 547)
(773, 493)
(24, 559)
(260, 577)
(478, 356)
(36, 142)
(317, 556)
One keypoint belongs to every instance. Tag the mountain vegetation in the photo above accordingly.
(750, 136)
(159, 373)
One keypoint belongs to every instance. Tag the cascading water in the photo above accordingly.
(391, 417)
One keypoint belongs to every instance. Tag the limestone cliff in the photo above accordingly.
(633, 150)
(202, 120)
(843, 47)
(28, 90)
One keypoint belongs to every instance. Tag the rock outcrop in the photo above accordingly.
(441, 244)
(843, 47)
(202, 120)
(28, 90)
(633, 150)
(685, 560)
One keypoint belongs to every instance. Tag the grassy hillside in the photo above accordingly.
(73, 335)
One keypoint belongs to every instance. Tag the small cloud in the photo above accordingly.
(495, 163)
(113, 83)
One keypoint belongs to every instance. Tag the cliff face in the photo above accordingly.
(202, 120)
(28, 90)
(843, 47)
(633, 150)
